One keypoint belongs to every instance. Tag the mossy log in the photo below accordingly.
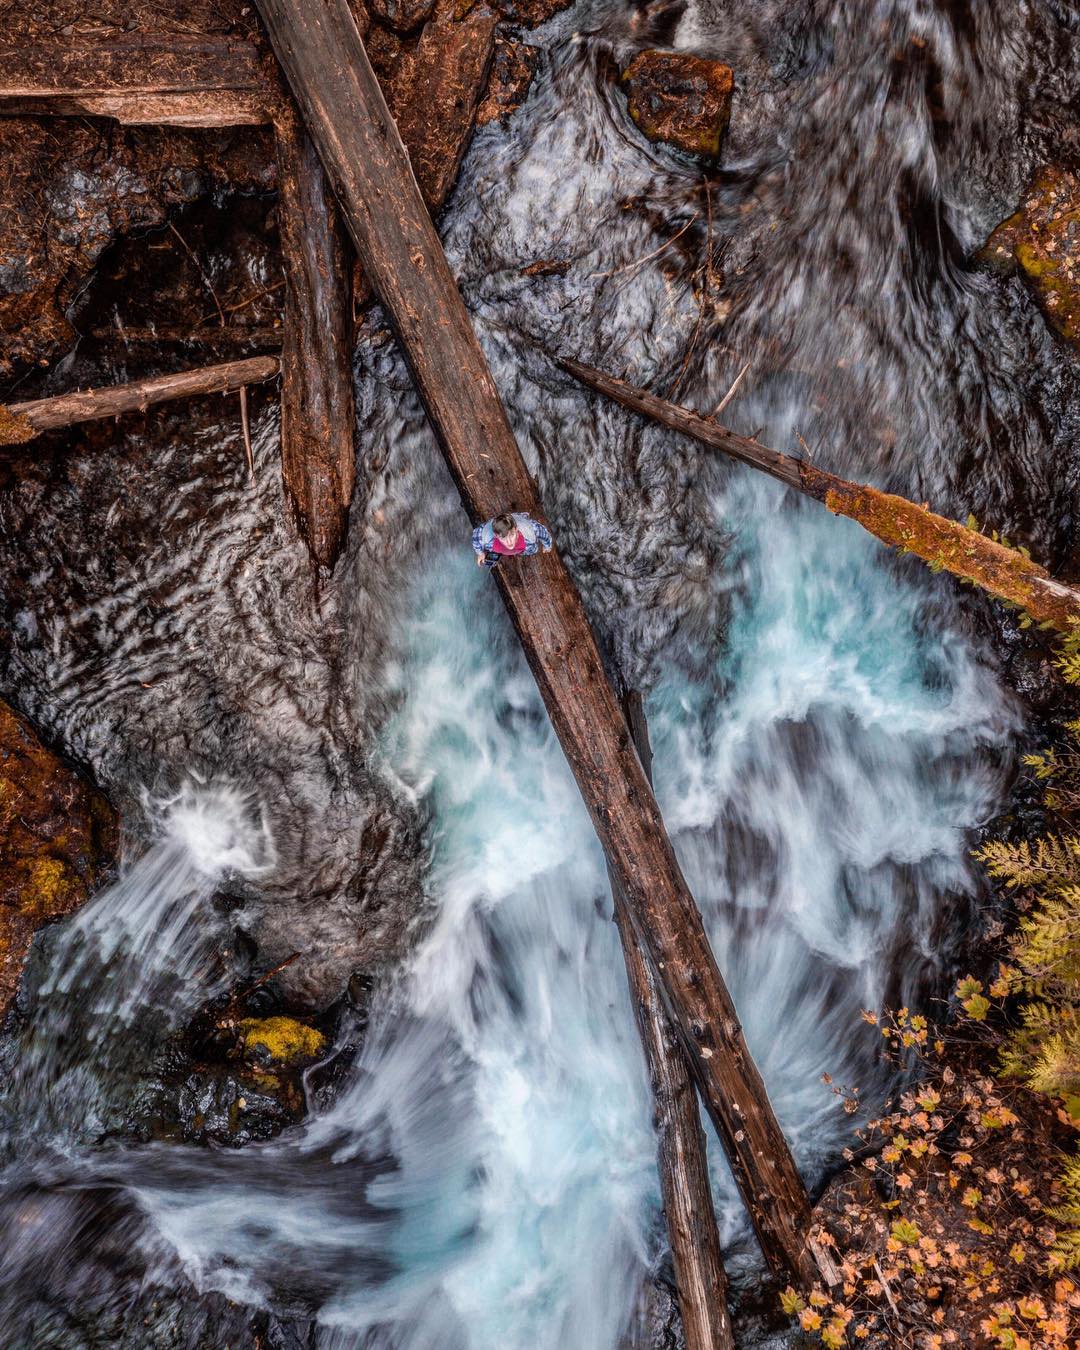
(682, 1158)
(21, 422)
(178, 80)
(1003, 572)
(328, 70)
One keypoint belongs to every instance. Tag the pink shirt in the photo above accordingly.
(518, 546)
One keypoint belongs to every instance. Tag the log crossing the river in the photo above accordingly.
(682, 1157)
(323, 57)
(946, 544)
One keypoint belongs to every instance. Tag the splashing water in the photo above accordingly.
(131, 967)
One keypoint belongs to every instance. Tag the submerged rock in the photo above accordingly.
(680, 99)
(57, 837)
(1043, 239)
(280, 1041)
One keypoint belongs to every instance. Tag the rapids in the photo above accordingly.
(831, 724)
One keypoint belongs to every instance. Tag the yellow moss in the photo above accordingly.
(281, 1039)
(1040, 237)
(45, 889)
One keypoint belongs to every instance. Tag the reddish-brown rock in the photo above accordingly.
(1043, 238)
(67, 191)
(512, 72)
(435, 91)
(57, 837)
(680, 99)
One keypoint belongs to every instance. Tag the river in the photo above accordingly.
(831, 723)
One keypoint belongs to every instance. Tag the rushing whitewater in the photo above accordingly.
(829, 722)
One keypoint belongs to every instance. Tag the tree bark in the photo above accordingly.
(182, 81)
(327, 67)
(318, 459)
(682, 1157)
(944, 544)
(20, 422)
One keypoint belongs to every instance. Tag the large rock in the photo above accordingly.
(434, 93)
(57, 837)
(680, 99)
(1043, 239)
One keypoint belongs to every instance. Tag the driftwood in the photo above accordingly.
(328, 70)
(1002, 571)
(682, 1158)
(318, 459)
(21, 422)
(177, 80)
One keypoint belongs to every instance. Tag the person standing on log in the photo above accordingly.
(510, 533)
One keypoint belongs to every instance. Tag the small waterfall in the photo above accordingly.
(130, 967)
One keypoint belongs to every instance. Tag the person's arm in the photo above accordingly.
(478, 544)
(543, 536)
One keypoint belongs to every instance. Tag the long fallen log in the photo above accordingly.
(328, 69)
(21, 422)
(682, 1158)
(943, 543)
(318, 458)
(176, 79)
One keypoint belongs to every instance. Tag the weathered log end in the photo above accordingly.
(15, 427)
(318, 458)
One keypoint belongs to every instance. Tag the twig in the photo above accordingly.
(245, 423)
(639, 262)
(243, 304)
(730, 393)
(888, 1291)
(199, 267)
(806, 448)
(705, 290)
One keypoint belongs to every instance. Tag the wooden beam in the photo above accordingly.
(682, 1157)
(326, 65)
(318, 457)
(21, 422)
(945, 544)
(134, 78)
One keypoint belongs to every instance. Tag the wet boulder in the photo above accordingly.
(401, 15)
(273, 1043)
(680, 99)
(1042, 239)
(57, 839)
(255, 1090)
(221, 1106)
